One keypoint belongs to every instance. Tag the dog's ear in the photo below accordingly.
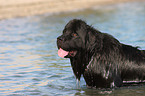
(83, 32)
(94, 40)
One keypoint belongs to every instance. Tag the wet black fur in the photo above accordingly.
(101, 58)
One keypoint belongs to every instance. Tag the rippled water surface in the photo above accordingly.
(30, 66)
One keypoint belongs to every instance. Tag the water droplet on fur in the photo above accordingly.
(92, 81)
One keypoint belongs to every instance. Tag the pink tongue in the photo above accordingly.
(62, 53)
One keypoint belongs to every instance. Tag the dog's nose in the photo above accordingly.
(60, 38)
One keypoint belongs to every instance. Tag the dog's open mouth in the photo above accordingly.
(62, 53)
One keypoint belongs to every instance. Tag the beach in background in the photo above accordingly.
(19, 8)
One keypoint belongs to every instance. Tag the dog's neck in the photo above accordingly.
(80, 62)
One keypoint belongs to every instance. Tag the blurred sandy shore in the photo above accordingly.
(17, 8)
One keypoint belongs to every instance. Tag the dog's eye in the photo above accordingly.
(74, 34)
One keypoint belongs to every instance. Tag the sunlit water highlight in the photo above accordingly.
(29, 65)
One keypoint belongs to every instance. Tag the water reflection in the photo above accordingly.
(29, 64)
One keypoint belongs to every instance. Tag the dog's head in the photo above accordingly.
(78, 42)
(76, 37)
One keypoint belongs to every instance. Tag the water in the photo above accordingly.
(29, 65)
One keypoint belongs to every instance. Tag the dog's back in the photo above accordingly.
(134, 54)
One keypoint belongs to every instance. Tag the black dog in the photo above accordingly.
(103, 61)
